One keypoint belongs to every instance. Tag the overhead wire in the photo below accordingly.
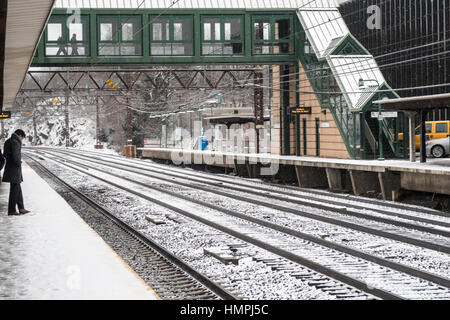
(328, 68)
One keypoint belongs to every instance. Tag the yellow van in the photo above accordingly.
(433, 130)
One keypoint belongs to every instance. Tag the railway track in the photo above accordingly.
(326, 284)
(309, 200)
(178, 280)
(339, 262)
(315, 194)
(338, 217)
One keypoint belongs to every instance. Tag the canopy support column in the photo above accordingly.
(423, 147)
(412, 136)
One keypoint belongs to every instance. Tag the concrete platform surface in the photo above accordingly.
(51, 253)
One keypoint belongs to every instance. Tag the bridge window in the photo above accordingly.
(272, 35)
(171, 36)
(119, 36)
(66, 36)
(222, 35)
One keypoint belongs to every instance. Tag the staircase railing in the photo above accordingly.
(370, 137)
(385, 125)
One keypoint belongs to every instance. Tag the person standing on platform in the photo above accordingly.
(13, 172)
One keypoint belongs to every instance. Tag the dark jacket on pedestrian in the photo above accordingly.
(12, 153)
(2, 160)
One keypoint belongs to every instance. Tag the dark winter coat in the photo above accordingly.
(13, 156)
(2, 160)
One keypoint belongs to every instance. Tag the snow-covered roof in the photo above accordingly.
(322, 26)
(197, 4)
(348, 70)
(326, 30)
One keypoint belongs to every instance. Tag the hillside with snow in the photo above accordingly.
(50, 130)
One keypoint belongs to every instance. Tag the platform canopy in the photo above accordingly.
(25, 22)
(228, 120)
(416, 103)
(348, 70)
(324, 26)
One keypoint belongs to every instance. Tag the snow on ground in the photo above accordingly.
(51, 253)
(51, 131)
(210, 214)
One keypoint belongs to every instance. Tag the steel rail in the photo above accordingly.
(325, 193)
(381, 261)
(357, 227)
(288, 255)
(360, 285)
(202, 279)
(252, 189)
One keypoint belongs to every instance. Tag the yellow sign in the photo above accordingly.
(56, 101)
(5, 115)
(111, 84)
(300, 110)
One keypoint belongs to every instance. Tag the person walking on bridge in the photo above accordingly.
(74, 43)
(13, 172)
(61, 46)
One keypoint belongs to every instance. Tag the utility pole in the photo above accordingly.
(97, 121)
(129, 127)
(66, 114)
(258, 104)
(34, 126)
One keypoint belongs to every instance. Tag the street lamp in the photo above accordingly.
(380, 124)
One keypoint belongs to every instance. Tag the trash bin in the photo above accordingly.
(203, 143)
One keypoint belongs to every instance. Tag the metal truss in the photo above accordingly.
(106, 80)
(51, 104)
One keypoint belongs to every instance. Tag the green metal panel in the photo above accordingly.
(285, 106)
(197, 37)
(145, 17)
(145, 34)
(93, 36)
(272, 39)
(222, 41)
(305, 149)
(248, 37)
(120, 41)
(317, 137)
(171, 18)
(349, 46)
(297, 117)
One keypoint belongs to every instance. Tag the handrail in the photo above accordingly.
(388, 134)
(369, 135)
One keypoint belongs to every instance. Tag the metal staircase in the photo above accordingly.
(329, 45)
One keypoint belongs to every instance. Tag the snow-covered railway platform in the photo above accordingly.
(51, 253)
(358, 176)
